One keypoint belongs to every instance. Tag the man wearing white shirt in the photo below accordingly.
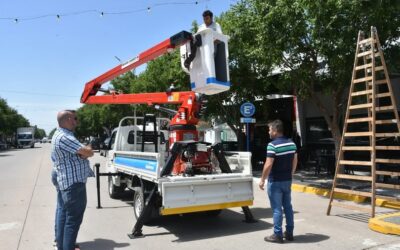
(209, 23)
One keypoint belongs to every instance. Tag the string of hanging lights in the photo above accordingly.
(101, 13)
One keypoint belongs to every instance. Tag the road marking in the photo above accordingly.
(390, 247)
(369, 243)
(8, 226)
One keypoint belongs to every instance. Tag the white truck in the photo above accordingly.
(163, 161)
(26, 137)
(141, 159)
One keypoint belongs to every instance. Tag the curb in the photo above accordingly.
(356, 198)
(379, 225)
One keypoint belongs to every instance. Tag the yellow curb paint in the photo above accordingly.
(182, 210)
(377, 224)
(388, 204)
(356, 198)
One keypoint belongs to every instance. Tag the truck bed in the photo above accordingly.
(184, 194)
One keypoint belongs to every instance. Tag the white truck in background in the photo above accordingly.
(26, 137)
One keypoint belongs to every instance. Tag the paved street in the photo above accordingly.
(27, 205)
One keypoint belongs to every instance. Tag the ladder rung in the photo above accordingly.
(386, 121)
(387, 147)
(354, 177)
(387, 94)
(369, 65)
(365, 92)
(384, 185)
(348, 191)
(359, 163)
(394, 161)
(384, 108)
(357, 134)
(354, 120)
(379, 68)
(387, 134)
(361, 106)
(367, 40)
(356, 148)
(380, 81)
(364, 53)
(352, 207)
(364, 79)
(390, 173)
(389, 198)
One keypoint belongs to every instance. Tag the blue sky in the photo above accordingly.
(45, 62)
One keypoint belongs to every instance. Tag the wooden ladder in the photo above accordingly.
(371, 129)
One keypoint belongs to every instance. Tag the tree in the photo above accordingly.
(52, 133)
(10, 119)
(310, 44)
(39, 133)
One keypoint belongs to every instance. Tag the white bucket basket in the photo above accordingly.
(209, 70)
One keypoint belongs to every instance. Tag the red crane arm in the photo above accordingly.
(171, 43)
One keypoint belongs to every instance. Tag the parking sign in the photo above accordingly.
(247, 109)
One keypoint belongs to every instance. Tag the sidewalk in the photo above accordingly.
(307, 181)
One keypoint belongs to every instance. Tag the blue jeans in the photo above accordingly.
(279, 193)
(55, 183)
(72, 203)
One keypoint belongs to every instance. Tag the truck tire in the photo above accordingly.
(138, 206)
(138, 203)
(115, 191)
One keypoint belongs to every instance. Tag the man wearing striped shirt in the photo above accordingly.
(72, 168)
(279, 167)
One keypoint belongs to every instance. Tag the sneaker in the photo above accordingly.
(288, 236)
(274, 238)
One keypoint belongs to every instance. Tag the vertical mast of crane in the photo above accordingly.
(169, 44)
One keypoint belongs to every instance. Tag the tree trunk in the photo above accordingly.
(332, 121)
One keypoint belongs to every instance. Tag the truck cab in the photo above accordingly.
(25, 137)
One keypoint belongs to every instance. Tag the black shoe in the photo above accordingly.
(274, 238)
(288, 236)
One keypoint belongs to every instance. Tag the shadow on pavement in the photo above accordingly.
(309, 238)
(102, 244)
(197, 226)
(4, 155)
(361, 217)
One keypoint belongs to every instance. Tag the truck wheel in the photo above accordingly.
(138, 202)
(115, 191)
(138, 206)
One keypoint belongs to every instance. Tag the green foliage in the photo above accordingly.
(52, 133)
(39, 133)
(309, 43)
(98, 120)
(304, 47)
(10, 120)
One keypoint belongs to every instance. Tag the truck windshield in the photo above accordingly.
(24, 136)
